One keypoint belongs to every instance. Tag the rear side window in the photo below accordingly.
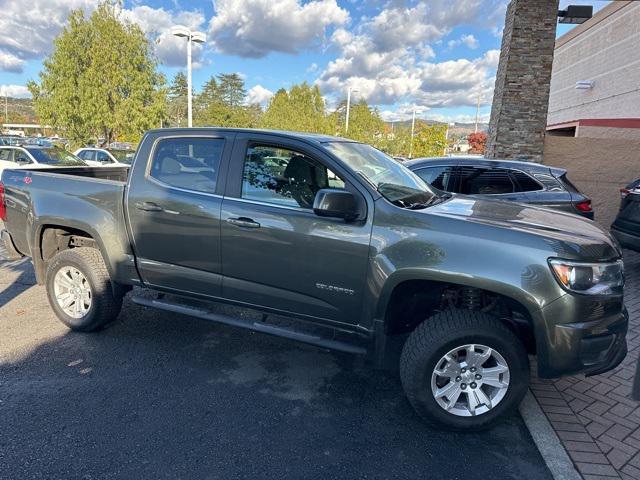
(189, 163)
(438, 177)
(524, 183)
(485, 181)
(5, 155)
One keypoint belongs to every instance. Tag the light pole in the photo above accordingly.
(346, 123)
(197, 37)
(413, 127)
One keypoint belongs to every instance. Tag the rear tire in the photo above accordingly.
(80, 291)
(442, 368)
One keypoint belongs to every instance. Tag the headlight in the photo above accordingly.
(589, 278)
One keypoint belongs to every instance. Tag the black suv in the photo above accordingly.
(626, 227)
(502, 179)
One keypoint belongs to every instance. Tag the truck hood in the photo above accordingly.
(571, 236)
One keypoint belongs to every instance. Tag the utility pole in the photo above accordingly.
(477, 113)
(346, 122)
(413, 127)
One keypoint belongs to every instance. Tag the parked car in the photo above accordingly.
(506, 180)
(626, 226)
(32, 156)
(12, 140)
(358, 251)
(102, 156)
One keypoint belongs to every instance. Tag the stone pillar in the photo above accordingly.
(521, 96)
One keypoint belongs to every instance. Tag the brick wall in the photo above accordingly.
(598, 167)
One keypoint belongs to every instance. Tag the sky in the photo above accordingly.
(437, 56)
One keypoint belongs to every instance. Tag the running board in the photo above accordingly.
(248, 325)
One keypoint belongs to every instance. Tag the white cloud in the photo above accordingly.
(28, 28)
(15, 91)
(469, 40)
(254, 28)
(388, 58)
(156, 23)
(312, 68)
(10, 62)
(258, 94)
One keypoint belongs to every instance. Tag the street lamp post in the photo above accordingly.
(197, 37)
(346, 122)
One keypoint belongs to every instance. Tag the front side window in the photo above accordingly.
(284, 177)
(438, 177)
(485, 181)
(189, 163)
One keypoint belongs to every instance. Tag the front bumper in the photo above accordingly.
(581, 334)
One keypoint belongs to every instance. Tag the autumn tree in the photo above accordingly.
(477, 142)
(101, 79)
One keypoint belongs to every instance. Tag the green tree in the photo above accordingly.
(101, 79)
(300, 109)
(221, 103)
(231, 89)
(177, 99)
(365, 124)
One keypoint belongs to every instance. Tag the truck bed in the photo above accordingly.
(83, 199)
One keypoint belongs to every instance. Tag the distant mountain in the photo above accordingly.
(459, 130)
(20, 110)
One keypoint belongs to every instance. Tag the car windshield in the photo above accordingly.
(55, 156)
(393, 180)
(123, 156)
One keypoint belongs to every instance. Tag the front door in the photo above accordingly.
(276, 252)
(174, 213)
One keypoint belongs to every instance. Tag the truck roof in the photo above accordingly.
(309, 137)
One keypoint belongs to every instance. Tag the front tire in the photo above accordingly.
(464, 370)
(80, 291)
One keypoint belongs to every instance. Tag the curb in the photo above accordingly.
(545, 438)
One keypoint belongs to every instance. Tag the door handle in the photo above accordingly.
(243, 222)
(149, 207)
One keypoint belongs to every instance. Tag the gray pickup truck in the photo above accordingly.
(357, 251)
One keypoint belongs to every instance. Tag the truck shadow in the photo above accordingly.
(18, 276)
(166, 396)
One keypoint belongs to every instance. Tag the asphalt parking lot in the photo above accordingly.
(163, 396)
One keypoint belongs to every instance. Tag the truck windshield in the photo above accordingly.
(393, 180)
(55, 156)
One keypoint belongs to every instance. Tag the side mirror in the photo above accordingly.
(337, 203)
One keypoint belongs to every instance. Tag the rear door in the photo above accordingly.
(276, 252)
(173, 206)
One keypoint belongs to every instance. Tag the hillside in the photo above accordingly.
(20, 110)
